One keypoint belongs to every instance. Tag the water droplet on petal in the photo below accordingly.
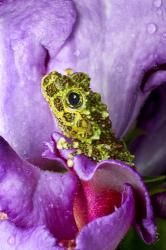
(40, 200)
(159, 12)
(157, 3)
(164, 35)
(151, 28)
(119, 68)
(51, 205)
(11, 240)
(77, 53)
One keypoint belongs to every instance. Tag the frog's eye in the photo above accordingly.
(74, 100)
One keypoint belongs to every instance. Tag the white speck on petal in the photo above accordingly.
(11, 240)
(51, 205)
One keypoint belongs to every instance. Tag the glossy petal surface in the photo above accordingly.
(149, 148)
(33, 197)
(114, 174)
(12, 238)
(106, 232)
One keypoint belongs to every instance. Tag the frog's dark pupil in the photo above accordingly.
(74, 98)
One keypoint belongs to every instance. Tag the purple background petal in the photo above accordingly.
(12, 238)
(33, 197)
(149, 148)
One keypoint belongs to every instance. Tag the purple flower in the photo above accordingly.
(92, 205)
(122, 47)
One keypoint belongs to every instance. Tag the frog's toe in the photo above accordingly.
(62, 143)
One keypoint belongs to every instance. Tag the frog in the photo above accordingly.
(82, 117)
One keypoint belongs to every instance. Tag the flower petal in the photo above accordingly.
(149, 148)
(114, 174)
(12, 238)
(52, 151)
(106, 232)
(32, 32)
(34, 197)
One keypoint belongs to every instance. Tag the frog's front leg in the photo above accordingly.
(64, 144)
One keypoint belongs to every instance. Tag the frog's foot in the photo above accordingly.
(70, 158)
(70, 162)
(64, 144)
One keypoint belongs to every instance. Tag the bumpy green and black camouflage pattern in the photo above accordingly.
(82, 116)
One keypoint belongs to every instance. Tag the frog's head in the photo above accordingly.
(79, 110)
